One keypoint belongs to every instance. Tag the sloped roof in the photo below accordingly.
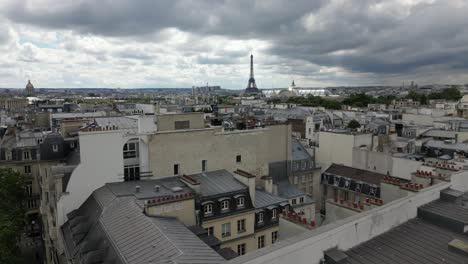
(264, 199)
(298, 151)
(356, 174)
(218, 182)
(127, 235)
(437, 133)
(415, 241)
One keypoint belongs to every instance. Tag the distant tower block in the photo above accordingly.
(29, 88)
(251, 86)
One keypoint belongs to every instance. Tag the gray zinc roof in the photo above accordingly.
(355, 174)
(287, 190)
(298, 151)
(443, 145)
(416, 241)
(218, 182)
(439, 133)
(265, 199)
(126, 235)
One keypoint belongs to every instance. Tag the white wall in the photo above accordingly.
(384, 162)
(402, 168)
(460, 181)
(418, 119)
(338, 147)
(101, 162)
(368, 160)
(345, 234)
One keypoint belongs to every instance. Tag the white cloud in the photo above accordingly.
(183, 43)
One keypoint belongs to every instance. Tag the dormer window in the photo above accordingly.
(208, 209)
(274, 214)
(260, 218)
(241, 202)
(301, 200)
(54, 147)
(225, 205)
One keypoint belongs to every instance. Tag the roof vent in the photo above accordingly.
(177, 189)
(137, 188)
(458, 246)
(156, 188)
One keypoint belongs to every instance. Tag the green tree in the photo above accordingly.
(12, 214)
(359, 100)
(353, 124)
(314, 101)
(413, 95)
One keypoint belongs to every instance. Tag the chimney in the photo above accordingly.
(191, 183)
(268, 184)
(247, 179)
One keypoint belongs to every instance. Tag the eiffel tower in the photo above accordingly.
(251, 86)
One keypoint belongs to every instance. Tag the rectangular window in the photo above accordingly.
(26, 155)
(8, 155)
(273, 214)
(274, 236)
(181, 125)
(226, 229)
(132, 173)
(260, 218)
(293, 201)
(240, 202)
(238, 158)
(210, 230)
(303, 178)
(241, 249)
(27, 169)
(203, 165)
(241, 226)
(54, 147)
(176, 169)
(301, 200)
(208, 209)
(29, 188)
(295, 180)
(225, 205)
(261, 241)
(303, 164)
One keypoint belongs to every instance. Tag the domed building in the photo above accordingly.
(29, 89)
(293, 91)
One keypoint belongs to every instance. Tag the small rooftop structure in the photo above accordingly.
(110, 227)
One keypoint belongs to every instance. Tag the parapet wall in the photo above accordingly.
(347, 233)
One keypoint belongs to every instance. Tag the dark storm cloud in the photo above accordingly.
(369, 36)
(132, 18)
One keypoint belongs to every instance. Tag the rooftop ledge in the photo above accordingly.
(346, 233)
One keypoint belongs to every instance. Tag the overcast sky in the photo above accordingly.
(177, 43)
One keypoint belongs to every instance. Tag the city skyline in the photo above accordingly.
(115, 44)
